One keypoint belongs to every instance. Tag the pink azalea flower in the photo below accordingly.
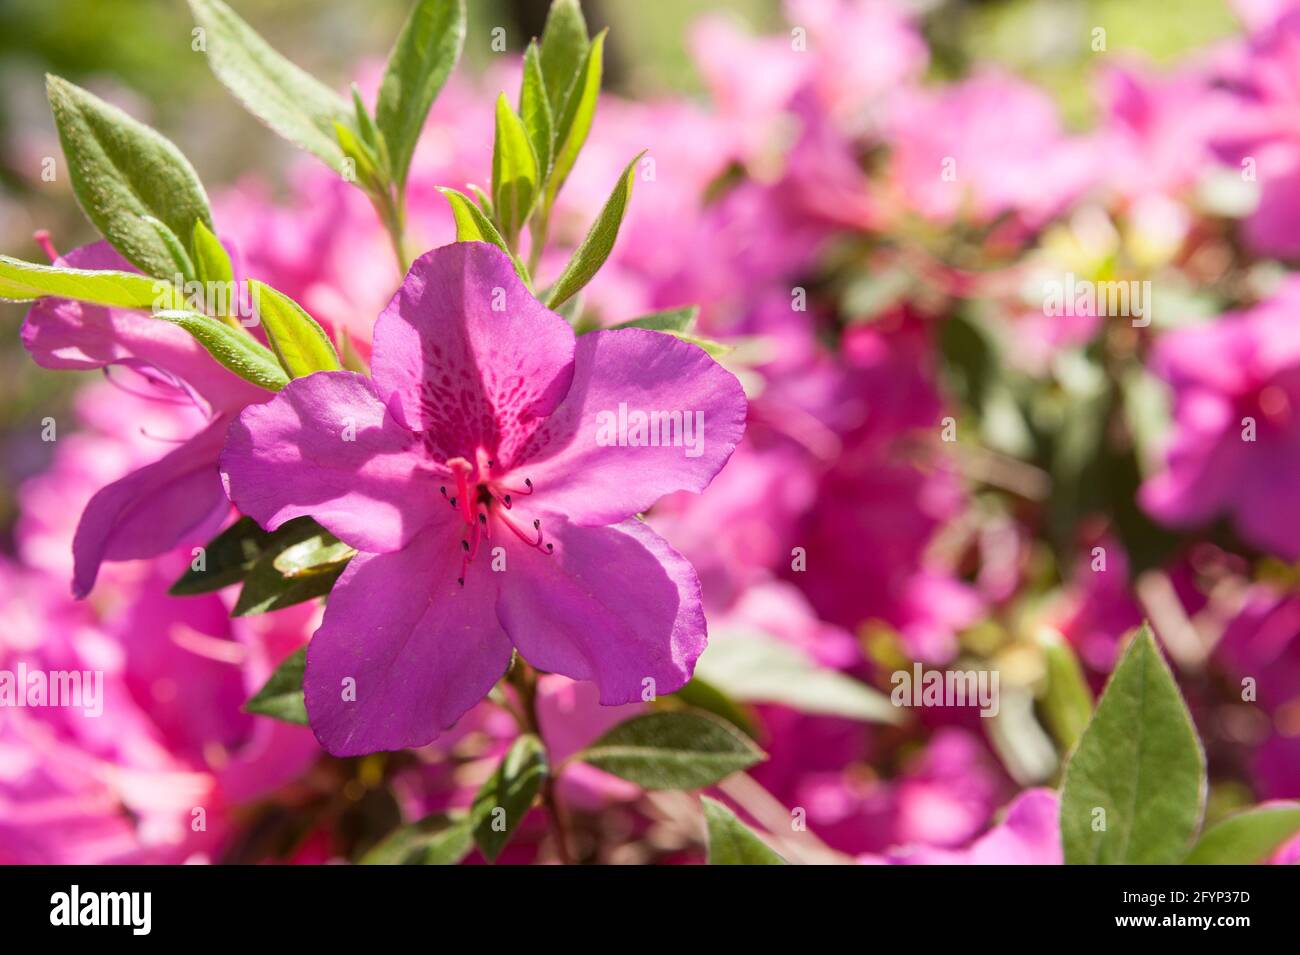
(154, 507)
(1237, 373)
(477, 440)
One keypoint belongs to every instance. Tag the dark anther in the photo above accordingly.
(461, 581)
(465, 545)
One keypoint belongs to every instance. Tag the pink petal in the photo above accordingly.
(420, 649)
(465, 353)
(292, 456)
(615, 605)
(63, 334)
(583, 463)
(151, 510)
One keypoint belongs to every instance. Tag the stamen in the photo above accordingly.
(42, 238)
(523, 536)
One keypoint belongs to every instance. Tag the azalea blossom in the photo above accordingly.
(469, 474)
(150, 510)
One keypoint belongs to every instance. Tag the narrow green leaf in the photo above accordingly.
(182, 265)
(563, 51)
(27, 281)
(731, 842)
(211, 260)
(299, 343)
(435, 840)
(471, 224)
(573, 122)
(226, 559)
(1134, 789)
(1066, 701)
(504, 800)
(122, 172)
(714, 349)
(668, 320)
(365, 170)
(423, 57)
(535, 111)
(275, 581)
(595, 248)
(1248, 837)
(674, 749)
(755, 667)
(282, 697)
(514, 172)
(286, 98)
(232, 347)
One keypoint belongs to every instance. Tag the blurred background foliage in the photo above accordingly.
(138, 52)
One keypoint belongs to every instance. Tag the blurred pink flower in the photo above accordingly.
(1235, 447)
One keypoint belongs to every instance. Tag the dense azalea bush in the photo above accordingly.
(852, 467)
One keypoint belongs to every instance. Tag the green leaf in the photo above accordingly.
(182, 265)
(423, 57)
(226, 559)
(714, 349)
(282, 697)
(563, 52)
(573, 122)
(122, 171)
(1140, 763)
(515, 176)
(731, 842)
(310, 570)
(211, 260)
(435, 840)
(299, 343)
(473, 226)
(232, 347)
(511, 789)
(1066, 701)
(316, 555)
(699, 694)
(26, 281)
(672, 750)
(595, 248)
(669, 320)
(755, 667)
(1248, 837)
(290, 101)
(535, 111)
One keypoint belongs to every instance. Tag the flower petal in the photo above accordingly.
(594, 460)
(326, 446)
(464, 353)
(615, 605)
(419, 649)
(151, 510)
(63, 334)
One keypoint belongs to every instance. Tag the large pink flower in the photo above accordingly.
(493, 506)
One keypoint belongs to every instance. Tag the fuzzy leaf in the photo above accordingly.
(125, 173)
(473, 226)
(515, 177)
(282, 697)
(434, 840)
(535, 111)
(563, 51)
(286, 98)
(232, 347)
(423, 57)
(211, 260)
(227, 558)
(1248, 837)
(573, 121)
(731, 842)
(275, 581)
(1140, 763)
(595, 248)
(511, 788)
(299, 343)
(27, 281)
(669, 320)
(672, 750)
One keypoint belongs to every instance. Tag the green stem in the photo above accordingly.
(524, 679)
(392, 214)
